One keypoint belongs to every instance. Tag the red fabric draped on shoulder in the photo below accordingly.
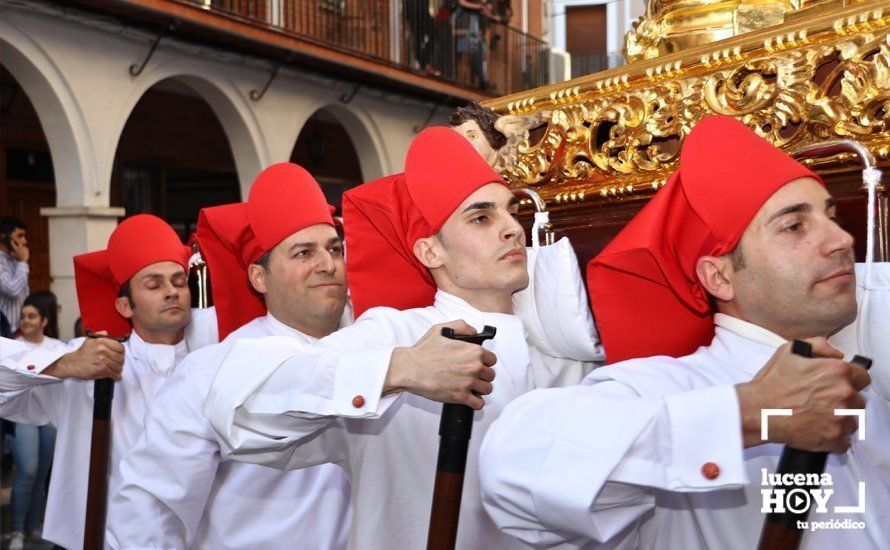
(643, 288)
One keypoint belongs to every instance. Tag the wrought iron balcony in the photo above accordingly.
(464, 47)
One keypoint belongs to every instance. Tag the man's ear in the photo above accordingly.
(123, 306)
(715, 275)
(428, 251)
(256, 274)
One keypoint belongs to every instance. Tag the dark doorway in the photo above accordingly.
(325, 149)
(173, 158)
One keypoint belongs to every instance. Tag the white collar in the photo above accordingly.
(277, 327)
(742, 344)
(161, 358)
(749, 331)
(451, 305)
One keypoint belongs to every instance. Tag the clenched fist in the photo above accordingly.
(442, 369)
(96, 358)
(812, 389)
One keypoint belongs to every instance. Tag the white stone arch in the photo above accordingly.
(231, 107)
(63, 122)
(364, 133)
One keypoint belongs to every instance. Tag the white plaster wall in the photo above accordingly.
(74, 230)
(75, 70)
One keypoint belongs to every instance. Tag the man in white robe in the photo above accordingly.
(441, 246)
(140, 280)
(738, 254)
(282, 245)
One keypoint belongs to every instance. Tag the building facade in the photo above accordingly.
(592, 31)
(167, 106)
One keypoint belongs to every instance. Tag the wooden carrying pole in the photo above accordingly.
(100, 450)
(455, 429)
(780, 530)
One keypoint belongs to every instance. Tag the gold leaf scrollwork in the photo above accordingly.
(535, 163)
(743, 90)
(606, 140)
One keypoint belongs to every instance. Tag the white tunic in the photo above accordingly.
(183, 494)
(33, 398)
(619, 458)
(51, 344)
(50, 347)
(296, 410)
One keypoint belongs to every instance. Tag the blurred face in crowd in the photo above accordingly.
(19, 236)
(479, 254)
(159, 303)
(793, 273)
(303, 280)
(31, 323)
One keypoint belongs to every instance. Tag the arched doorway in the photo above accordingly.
(325, 148)
(173, 158)
(27, 180)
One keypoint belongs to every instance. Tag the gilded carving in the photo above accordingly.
(617, 134)
(673, 26)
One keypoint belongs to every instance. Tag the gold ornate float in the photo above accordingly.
(816, 71)
(675, 25)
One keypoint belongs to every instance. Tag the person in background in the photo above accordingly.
(14, 269)
(32, 446)
(442, 38)
(418, 24)
(41, 324)
(469, 42)
(137, 286)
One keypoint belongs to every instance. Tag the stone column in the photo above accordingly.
(74, 230)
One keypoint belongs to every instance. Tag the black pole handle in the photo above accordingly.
(456, 424)
(488, 332)
(103, 390)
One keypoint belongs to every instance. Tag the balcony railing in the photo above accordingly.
(463, 46)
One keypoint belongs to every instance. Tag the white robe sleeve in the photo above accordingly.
(203, 329)
(272, 395)
(17, 356)
(549, 371)
(167, 477)
(26, 395)
(10, 350)
(582, 463)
